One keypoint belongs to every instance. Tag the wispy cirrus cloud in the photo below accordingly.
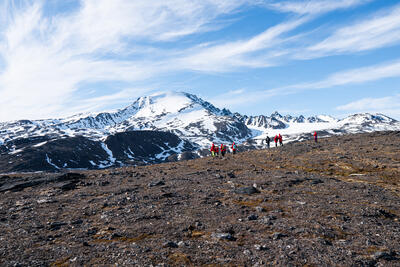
(268, 48)
(352, 76)
(314, 6)
(373, 104)
(385, 105)
(244, 53)
(348, 77)
(46, 59)
(382, 29)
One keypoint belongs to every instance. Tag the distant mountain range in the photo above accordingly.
(157, 128)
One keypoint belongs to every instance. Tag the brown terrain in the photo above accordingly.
(331, 203)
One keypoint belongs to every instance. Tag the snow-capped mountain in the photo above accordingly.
(183, 123)
(300, 128)
(152, 129)
(183, 114)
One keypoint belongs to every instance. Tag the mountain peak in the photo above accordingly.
(368, 117)
(276, 115)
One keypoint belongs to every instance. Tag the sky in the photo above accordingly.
(334, 57)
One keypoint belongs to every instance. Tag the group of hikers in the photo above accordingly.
(215, 150)
(277, 138)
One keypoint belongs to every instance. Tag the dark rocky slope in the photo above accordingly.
(335, 203)
(126, 148)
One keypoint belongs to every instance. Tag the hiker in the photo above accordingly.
(212, 150)
(216, 151)
(315, 137)
(223, 150)
(276, 140)
(267, 140)
(280, 140)
(234, 148)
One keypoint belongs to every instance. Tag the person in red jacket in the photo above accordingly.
(234, 148)
(223, 150)
(212, 150)
(216, 151)
(280, 140)
(276, 140)
(315, 137)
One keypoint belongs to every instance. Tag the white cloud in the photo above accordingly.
(373, 104)
(382, 29)
(353, 76)
(240, 98)
(244, 53)
(314, 6)
(388, 105)
(47, 59)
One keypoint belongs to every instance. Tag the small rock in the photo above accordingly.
(219, 176)
(56, 225)
(317, 181)
(225, 236)
(44, 200)
(260, 247)
(231, 175)
(19, 203)
(91, 231)
(260, 209)
(115, 235)
(170, 244)
(156, 183)
(247, 190)
(385, 255)
(103, 183)
(252, 217)
(349, 253)
(277, 236)
(247, 252)
(182, 244)
(268, 219)
(79, 221)
(299, 230)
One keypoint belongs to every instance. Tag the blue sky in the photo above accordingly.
(335, 57)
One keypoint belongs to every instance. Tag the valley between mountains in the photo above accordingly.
(331, 203)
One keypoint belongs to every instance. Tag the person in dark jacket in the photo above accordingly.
(267, 140)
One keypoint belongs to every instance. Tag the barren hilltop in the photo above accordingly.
(331, 203)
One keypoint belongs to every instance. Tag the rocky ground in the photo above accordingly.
(334, 203)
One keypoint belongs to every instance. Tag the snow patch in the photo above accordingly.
(16, 151)
(40, 144)
(51, 163)
(109, 152)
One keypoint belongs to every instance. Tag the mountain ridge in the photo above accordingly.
(180, 116)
